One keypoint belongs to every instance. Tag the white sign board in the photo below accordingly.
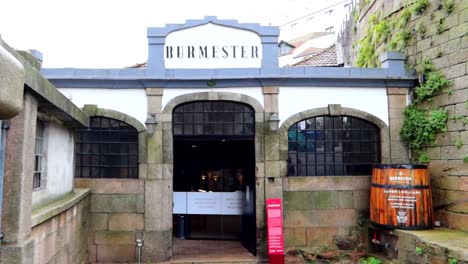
(207, 203)
(212, 46)
(180, 203)
(231, 203)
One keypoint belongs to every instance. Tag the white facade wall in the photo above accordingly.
(57, 163)
(293, 100)
(255, 92)
(132, 102)
(316, 18)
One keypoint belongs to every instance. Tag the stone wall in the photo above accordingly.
(60, 230)
(319, 209)
(447, 47)
(116, 218)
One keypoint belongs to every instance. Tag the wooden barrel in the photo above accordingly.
(401, 197)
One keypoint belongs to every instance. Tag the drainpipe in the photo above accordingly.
(4, 127)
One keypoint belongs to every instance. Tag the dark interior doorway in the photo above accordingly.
(214, 171)
(212, 166)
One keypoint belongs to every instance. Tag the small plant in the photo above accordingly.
(452, 261)
(370, 260)
(435, 82)
(355, 14)
(458, 142)
(382, 30)
(419, 6)
(447, 6)
(419, 251)
(423, 158)
(420, 126)
(400, 41)
(439, 53)
(440, 26)
(421, 30)
(404, 18)
(465, 159)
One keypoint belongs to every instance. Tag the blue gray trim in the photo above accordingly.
(156, 32)
(393, 73)
(157, 37)
(229, 83)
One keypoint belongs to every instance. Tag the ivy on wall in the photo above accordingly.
(422, 121)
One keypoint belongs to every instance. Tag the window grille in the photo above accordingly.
(213, 118)
(327, 146)
(108, 149)
(38, 155)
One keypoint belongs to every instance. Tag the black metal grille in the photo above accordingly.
(213, 118)
(327, 146)
(108, 149)
(38, 155)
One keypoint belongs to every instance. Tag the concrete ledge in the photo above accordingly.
(48, 211)
(454, 241)
(53, 101)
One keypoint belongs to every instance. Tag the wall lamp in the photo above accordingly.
(274, 122)
(150, 124)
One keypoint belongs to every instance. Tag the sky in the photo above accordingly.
(112, 33)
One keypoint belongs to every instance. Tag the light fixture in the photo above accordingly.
(274, 122)
(151, 123)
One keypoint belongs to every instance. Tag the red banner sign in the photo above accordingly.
(275, 230)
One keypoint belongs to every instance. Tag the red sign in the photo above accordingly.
(275, 230)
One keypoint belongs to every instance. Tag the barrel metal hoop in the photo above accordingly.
(388, 186)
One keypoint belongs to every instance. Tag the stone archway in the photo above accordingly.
(168, 148)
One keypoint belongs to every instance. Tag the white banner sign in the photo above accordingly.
(212, 46)
(208, 203)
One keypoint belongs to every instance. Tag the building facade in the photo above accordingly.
(192, 145)
(227, 128)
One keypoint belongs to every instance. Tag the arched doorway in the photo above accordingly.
(214, 171)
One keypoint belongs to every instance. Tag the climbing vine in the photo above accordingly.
(422, 122)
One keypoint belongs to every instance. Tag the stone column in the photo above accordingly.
(273, 165)
(158, 186)
(397, 101)
(17, 246)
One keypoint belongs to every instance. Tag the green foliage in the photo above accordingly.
(419, 6)
(452, 261)
(374, 18)
(367, 56)
(423, 158)
(382, 30)
(419, 250)
(355, 14)
(465, 159)
(420, 126)
(440, 26)
(370, 260)
(426, 66)
(447, 6)
(435, 82)
(458, 142)
(421, 30)
(404, 18)
(400, 41)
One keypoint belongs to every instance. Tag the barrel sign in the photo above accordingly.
(401, 197)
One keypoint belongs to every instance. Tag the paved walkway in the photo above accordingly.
(205, 251)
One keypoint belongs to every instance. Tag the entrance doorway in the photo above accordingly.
(214, 172)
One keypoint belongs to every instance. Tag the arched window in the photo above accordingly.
(329, 145)
(107, 149)
(214, 118)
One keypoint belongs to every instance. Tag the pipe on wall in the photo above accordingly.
(3, 128)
